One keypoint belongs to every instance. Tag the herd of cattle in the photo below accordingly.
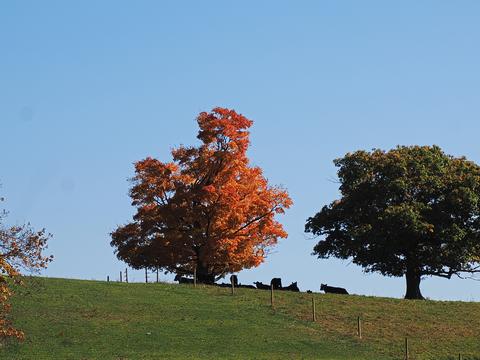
(276, 284)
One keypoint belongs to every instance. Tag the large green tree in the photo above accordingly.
(413, 211)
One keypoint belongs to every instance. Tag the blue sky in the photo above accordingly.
(89, 87)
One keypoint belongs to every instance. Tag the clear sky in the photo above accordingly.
(89, 87)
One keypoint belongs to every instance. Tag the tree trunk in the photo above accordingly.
(203, 276)
(413, 277)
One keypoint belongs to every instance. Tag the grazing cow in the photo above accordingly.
(276, 283)
(183, 280)
(309, 291)
(292, 287)
(261, 286)
(234, 279)
(333, 290)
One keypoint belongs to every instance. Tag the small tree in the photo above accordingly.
(207, 210)
(412, 211)
(20, 248)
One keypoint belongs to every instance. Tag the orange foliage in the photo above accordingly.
(20, 247)
(207, 209)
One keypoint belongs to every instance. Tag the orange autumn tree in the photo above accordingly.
(208, 210)
(21, 247)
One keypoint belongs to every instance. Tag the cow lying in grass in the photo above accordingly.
(261, 286)
(276, 284)
(332, 289)
(292, 287)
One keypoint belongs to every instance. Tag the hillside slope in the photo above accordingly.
(75, 319)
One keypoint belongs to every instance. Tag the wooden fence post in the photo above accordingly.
(406, 349)
(314, 315)
(120, 276)
(108, 278)
(271, 295)
(359, 327)
(195, 277)
(157, 275)
(146, 276)
(233, 285)
(126, 275)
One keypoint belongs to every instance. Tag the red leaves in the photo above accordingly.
(20, 247)
(224, 127)
(208, 207)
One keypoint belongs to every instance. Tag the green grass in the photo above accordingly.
(75, 319)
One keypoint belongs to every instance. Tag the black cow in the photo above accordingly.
(234, 279)
(309, 291)
(261, 286)
(292, 287)
(333, 290)
(183, 280)
(276, 283)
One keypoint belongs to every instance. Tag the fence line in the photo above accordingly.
(406, 350)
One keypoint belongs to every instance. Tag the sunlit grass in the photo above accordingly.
(73, 319)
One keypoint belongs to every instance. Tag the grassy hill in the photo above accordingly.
(75, 319)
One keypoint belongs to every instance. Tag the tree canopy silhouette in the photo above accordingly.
(412, 211)
(208, 210)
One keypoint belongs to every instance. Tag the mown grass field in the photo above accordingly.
(75, 319)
